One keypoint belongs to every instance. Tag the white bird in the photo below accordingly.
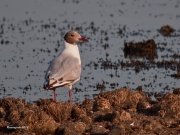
(65, 69)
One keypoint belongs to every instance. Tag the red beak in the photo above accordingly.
(83, 39)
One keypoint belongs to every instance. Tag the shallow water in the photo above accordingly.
(31, 35)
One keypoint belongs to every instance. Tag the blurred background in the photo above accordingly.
(31, 35)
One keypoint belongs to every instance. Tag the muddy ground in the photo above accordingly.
(116, 112)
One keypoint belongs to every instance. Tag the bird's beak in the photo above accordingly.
(83, 39)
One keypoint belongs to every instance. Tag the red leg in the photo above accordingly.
(54, 90)
(70, 95)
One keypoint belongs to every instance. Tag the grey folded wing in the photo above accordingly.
(63, 69)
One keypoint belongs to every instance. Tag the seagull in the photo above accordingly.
(65, 69)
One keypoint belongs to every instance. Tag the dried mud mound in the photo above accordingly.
(166, 30)
(145, 49)
(116, 112)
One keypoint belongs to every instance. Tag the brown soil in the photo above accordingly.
(145, 49)
(116, 112)
(166, 30)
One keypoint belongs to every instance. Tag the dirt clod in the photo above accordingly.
(166, 30)
(143, 49)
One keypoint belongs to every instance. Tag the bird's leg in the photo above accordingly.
(54, 90)
(70, 95)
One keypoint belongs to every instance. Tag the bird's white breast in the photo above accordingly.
(72, 50)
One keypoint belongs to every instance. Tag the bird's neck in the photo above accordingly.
(70, 46)
(73, 49)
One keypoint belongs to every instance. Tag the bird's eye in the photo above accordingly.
(72, 35)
